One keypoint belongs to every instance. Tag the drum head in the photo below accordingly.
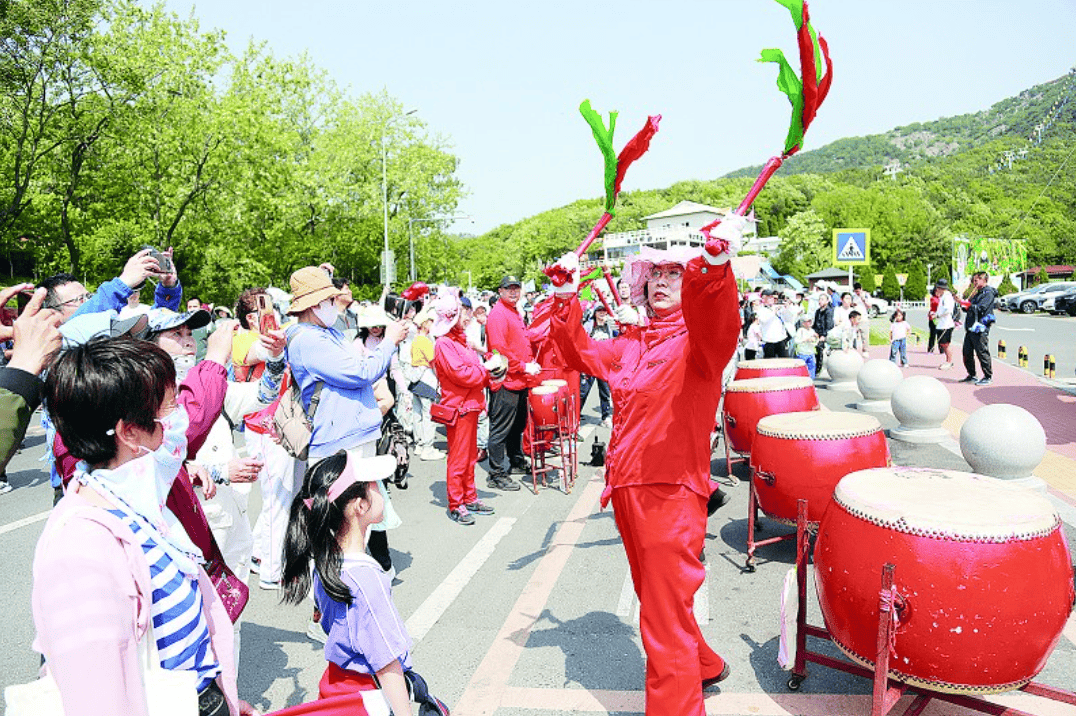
(766, 385)
(772, 363)
(556, 382)
(946, 504)
(544, 389)
(818, 425)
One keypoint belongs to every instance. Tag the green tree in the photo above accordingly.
(1006, 286)
(890, 285)
(915, 286)
(1042, 276)
(805, 246)
(865, 276)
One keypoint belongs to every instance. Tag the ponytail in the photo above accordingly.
(313, 526)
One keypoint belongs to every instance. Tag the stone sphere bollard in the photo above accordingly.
(843, 368)
(876, 382)
(1004, 441)
(921, 404)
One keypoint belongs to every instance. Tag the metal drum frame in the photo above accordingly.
(553, 444)
(887, 691)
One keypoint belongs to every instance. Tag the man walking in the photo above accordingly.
(977, 322)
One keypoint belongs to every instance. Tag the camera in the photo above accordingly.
(163, 261)
(397, 306)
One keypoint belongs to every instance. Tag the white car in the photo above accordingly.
(1033, 299)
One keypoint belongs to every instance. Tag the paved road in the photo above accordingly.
(530, 612)
(1040, 332)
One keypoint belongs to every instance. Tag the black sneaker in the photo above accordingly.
(718, 499)
(520, 468)
(479, 508)
(984, 381)
(461, 516)
(969, 379)
(502, 482)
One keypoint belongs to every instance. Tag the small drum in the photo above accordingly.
(770, 368)
(802, 456)
(747, 401)
(565, 393)
(983, 576)
(546, 403)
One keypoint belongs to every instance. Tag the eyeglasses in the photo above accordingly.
(76, 301)
(672, 273)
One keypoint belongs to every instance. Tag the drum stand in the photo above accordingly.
(553, 441)
(753, 524)
(887, 691)
(729, 459)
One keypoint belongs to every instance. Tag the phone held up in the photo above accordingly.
(163, 260)
(266, 315)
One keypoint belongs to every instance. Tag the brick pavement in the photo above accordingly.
(1053, 407)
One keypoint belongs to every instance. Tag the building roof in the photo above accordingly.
(687, 207)
(826, 274)
(1055, 270)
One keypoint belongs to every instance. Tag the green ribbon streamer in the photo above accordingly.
(604, 138)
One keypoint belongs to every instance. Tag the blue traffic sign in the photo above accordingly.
(851, 246)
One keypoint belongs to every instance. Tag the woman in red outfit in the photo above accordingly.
(463, 378)
(665, 378)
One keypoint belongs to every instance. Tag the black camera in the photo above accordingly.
(398, 306)
(163, 260)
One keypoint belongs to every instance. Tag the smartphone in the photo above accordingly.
(266, 315)
(163, 261)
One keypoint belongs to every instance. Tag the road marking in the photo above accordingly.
(484, 693)
(1070, 629)
(701, 607)
(627, 597)
(729, 704)
(1014, 330)
(25, 521)
(628, 605)
(433, 608)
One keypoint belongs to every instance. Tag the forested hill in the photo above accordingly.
(984, 175)
(1015, 117)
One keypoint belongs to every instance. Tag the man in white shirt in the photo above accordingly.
(774, 334)
(944, 322)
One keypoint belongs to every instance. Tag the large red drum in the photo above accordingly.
(748, 401)
(770, 368)
(547, 403)
(983, 576)
(565, 391)
(802, 456)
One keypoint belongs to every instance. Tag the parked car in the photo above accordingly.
(877, 306)
(1031, 300)
(1066, 303)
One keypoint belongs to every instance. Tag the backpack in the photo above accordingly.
(292, 426)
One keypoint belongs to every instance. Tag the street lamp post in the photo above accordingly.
(385, 188)
(411, 237)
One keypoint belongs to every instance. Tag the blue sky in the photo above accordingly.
(502, 81)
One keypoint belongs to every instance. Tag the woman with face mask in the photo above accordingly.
(347, 416)
(115, 559)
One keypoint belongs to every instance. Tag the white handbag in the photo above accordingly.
(168, 693)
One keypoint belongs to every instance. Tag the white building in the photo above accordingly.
(678, 226)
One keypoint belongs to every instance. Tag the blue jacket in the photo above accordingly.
(112, 296)
(347, 415)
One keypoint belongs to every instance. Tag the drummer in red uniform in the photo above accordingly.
(666, 382)
(463, 378)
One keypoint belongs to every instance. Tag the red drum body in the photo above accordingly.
(983, 577)
(546, 403)
(564, 390)
(802, 456)
(748, 401)
(770, 368)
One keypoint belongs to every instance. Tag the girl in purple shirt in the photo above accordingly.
(368, 646)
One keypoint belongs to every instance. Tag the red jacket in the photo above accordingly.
(460, 372)
(506, 334)
(665, 379)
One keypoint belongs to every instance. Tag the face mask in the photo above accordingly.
(327, 313)
(183, 366)
(142, 484)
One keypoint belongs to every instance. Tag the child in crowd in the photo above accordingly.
(753, 342)
(898, 338)
(852, 334)
(806, 341)
(368, 647)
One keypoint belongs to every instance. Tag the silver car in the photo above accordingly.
(1032, 299)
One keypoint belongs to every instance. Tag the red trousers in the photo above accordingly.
(462, 456)
(339, 682)
(663, 528)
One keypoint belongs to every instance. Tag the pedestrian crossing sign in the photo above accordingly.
(851, 246)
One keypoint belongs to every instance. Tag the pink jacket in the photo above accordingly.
(91, 606)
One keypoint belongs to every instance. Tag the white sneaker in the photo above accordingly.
(315, 632)
(5, 487)
(607, 422)
(268, 586)
(945, 366)
(431, 454)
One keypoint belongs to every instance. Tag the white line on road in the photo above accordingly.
(10, 527)
(702, 601)
(1014, 330)
(628, 605)
(431, 610)
(627, 597)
